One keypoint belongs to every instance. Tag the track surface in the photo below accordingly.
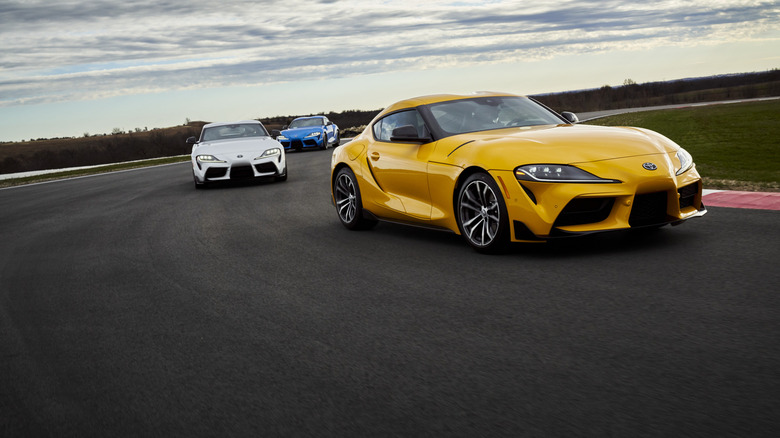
(133, 305)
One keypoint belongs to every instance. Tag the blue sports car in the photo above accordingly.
(309, 132)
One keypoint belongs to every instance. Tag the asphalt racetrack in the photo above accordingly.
(133, 305)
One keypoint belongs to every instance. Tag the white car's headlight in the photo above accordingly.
(209, 159)
(270, 153)
(560, 173)
(686, 161)
(281, 138)
(314, 134)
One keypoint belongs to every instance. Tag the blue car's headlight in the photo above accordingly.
(281, 138)
(559, 173)
(314, 134)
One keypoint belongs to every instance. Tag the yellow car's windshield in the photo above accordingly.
(486, 113)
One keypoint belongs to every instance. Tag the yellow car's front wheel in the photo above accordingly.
(482, 215)
(349, 205)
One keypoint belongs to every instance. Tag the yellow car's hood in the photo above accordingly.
(561, 144)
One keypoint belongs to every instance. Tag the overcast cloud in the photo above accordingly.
(77, 50)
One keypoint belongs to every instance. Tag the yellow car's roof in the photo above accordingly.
(433, 98)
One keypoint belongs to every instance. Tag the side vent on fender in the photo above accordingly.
(371, 169)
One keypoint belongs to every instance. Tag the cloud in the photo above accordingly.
(92, 49)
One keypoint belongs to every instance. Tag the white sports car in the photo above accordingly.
(231, 151)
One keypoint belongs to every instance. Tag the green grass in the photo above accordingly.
(735, 146)
(91, 171)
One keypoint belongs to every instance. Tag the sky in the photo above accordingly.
(75, 67)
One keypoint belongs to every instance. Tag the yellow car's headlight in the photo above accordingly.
(686, 161)
(557, 173)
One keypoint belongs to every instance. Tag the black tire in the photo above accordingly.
(481, 214)
(337, 142)
(349, 204)
(324, 141)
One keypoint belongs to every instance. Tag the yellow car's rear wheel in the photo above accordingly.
(482, 214)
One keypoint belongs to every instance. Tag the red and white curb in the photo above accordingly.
(736, 199)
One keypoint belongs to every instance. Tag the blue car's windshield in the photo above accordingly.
(239, 130)
(305, 123)
(485, 113)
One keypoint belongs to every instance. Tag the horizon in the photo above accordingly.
(87, 68)
(189, 121)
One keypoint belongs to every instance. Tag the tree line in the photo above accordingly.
(683, 91)
(62, 153)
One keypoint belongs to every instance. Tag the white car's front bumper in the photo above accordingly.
(239, 169)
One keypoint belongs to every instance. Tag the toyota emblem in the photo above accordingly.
(649, 166)
(241, 156)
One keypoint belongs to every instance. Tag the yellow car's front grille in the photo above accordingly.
(648, 209)
(581, 211)
(688, 195)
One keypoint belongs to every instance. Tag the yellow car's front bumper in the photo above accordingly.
(543, 210)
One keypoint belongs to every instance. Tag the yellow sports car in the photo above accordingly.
(498, 167)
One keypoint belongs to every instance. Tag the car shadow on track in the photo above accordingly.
(217, 185)
(627, 241)
(391, 231)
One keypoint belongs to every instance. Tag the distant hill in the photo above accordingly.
(126, 146)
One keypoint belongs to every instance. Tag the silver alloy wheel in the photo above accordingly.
(346, 197)
(480, 213)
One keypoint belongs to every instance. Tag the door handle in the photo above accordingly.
(374, 156)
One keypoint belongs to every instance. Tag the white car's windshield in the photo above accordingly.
(485, 113)
(224, 132)
(305, 123)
